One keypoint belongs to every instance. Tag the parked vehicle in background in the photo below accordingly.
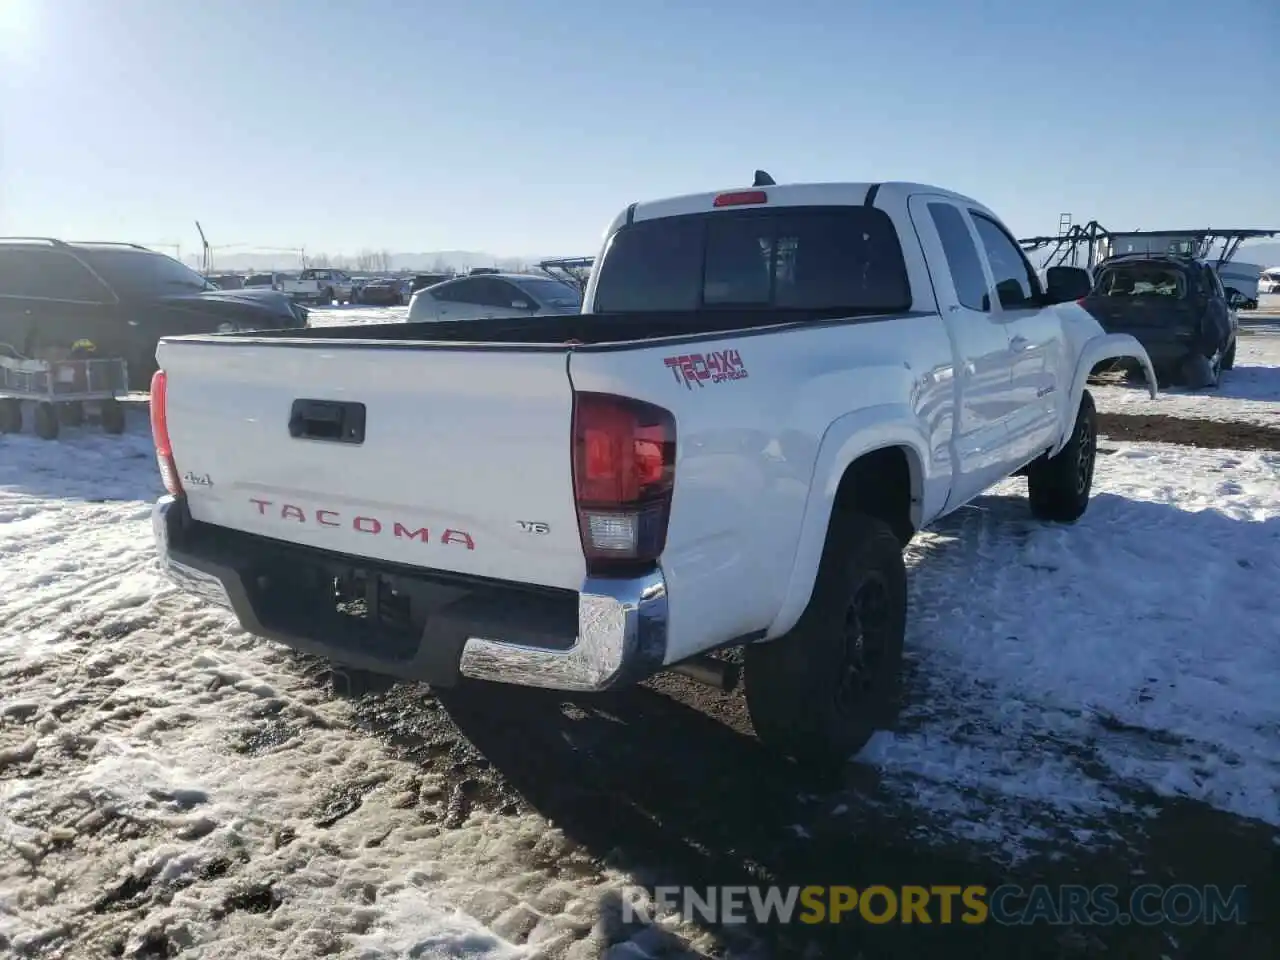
(421, 281)
(494, 295)
(1241, 279)
(227, 281)
(122, 299)
(1176, 307)
(264, 281)
(1269, 282)
(383, 291)
(777, 388)
(320, 286)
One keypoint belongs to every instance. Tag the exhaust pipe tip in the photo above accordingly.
(710, 671)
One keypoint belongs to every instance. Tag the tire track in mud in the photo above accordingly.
(1187, 432)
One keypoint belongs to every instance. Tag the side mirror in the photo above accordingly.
(1064, 284)
(1010, 295)
(1236, 299)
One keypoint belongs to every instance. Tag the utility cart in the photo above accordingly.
(61, 390)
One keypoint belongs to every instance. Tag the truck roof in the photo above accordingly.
(789, 194)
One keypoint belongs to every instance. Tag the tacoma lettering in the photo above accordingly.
(370, 526)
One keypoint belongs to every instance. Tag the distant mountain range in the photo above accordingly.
(1263, 254)
(433, 261)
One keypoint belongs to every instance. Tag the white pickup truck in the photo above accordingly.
(320, 286)
(770, 392)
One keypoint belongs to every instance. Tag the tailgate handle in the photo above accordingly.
(329, 420)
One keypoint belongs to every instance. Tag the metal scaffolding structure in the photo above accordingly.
(574, 270)
(1092, 242)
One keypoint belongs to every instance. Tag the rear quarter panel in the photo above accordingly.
(766, 423)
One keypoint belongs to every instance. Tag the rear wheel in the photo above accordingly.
(10, 415)
(1229, 358)
(1059, 488)
(820, 692)
(111, 416)
(46, 420)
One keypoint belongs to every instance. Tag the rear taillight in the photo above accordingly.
(624, 466)
(160, 434)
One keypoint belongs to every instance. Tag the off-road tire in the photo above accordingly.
(111, 416)
(820, 692)
(1229, 358)
(46, 420)
(1059, 487)
(10, 415)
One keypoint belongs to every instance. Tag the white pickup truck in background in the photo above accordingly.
(773, 390)
(320, 286)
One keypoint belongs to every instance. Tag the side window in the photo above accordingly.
(497, 293)
(463, 291)
(962, 256)
(49, 275)
(508, 293)
(1016, 283)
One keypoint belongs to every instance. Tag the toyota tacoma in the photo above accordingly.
(768, 393)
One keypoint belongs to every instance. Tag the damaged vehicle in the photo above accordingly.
(1175, 307)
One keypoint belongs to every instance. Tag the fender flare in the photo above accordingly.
(1106, 346)
(846, 439)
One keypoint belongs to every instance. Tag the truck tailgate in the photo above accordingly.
(464, 465)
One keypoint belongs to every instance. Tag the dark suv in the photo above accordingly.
(120, 297)
(1177, 309)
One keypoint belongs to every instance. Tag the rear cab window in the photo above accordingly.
(1142, 279)
(833, 260)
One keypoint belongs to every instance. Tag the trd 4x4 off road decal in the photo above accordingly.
(699, 368)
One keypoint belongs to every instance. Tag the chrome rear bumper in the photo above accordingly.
(621, 623)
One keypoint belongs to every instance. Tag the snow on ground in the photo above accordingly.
(150, 751)
(1250, 393)
(1064, 672)
(1267, 303)
(330, 316)
(153, 756)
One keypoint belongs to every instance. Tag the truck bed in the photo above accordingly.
(558, 330)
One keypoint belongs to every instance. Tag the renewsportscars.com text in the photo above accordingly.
(1008, 905)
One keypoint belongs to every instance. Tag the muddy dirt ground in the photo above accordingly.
(1232, 435)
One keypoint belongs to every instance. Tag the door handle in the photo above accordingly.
(1020, 343)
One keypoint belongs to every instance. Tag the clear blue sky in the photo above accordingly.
(522, 127)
